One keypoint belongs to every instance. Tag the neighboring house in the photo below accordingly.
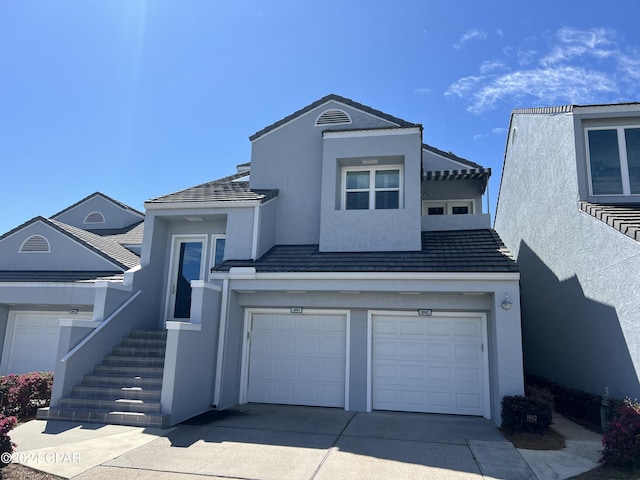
(58, 268)
(569, 209)
(347, 265)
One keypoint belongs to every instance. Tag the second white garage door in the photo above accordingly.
(429, 364)
(297, 359)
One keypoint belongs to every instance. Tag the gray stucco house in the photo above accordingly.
(569, 209)
(346, 265)
(62, 268)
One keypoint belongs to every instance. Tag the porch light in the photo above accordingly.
(506, 304)
(296, 309)
(73, 311)
(425, 312)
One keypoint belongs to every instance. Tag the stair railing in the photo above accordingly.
(103, 324)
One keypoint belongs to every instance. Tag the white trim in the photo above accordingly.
(435, 314)
(202, 205)
(176, 240)
(248, 273)
(85, 222)
(48, 250)
(254, 240)
(222, 329)
(183, 326)
(331, 100)
(206, 285)
(380, 132)
(214, 248)
(372, 181)
(448, 206)
(248, 318)
(623, 162)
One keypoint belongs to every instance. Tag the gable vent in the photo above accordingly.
(333, 117)
(94, 217)
(35, 243)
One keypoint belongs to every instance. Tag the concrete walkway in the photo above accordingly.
(282, 442)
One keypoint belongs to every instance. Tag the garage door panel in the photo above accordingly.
(436, 367)
(306, 359)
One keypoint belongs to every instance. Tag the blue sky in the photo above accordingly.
(139, 98)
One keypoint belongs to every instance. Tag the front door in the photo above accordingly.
(188, 264)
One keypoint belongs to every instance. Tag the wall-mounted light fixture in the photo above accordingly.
(73, 311)
(506, 304)
(425, 312)
(296, 309)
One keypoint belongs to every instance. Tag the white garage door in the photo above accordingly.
(31, 341)
(297, 359)
(429, 364)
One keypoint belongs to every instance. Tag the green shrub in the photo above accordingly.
(527, 414)
(622, 439)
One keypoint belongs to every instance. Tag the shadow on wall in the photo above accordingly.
(569, 338)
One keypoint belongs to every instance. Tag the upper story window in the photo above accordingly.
(333, 117)
(35, 244)
(218, 250)
(449, 207)
(614, 160)
(372, 188)
(94, 217)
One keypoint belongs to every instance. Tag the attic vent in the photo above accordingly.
(94, 217)
(333, 117)
(35, 244)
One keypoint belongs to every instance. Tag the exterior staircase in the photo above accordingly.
(124, 390)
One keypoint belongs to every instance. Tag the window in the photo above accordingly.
(35, 244)
(450, 207)
(218, 250)
(372, 188)
(94, 217)
(614, 160)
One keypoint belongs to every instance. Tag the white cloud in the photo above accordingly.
(472, 34)
(498, 130)
(577, 66)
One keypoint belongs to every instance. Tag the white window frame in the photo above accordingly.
(214, 247)
(372, 190)
(624, 165)
(448, 206)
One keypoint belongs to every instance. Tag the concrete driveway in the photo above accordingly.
(279, 442)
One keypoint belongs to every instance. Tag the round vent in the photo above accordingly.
(333, 117)
(35, 243)
(94, 217)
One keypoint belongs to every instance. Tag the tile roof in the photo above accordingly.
(99, 194)
(624, 218)
(227, 189)
(451, 156)
(131, 235)
(568, 108)
(39, 276)
(446, 251)
(107, 248)
(325, 99)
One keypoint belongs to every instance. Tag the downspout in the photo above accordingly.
(221, 341)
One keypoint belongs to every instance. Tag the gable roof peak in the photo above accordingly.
(328, 98)
(124, 206)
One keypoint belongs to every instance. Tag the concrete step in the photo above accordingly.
(113, 393)
(143, 342)
(154, 420)
(122, 381)
(138, 351)
(128, 371)
(150, 334)
(120, 405)
(129, 361)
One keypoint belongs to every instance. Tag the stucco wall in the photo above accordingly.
(580, 289)
(65, 254)
(290, 159)
(114, 215)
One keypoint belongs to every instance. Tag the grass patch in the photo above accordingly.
(550, 440)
